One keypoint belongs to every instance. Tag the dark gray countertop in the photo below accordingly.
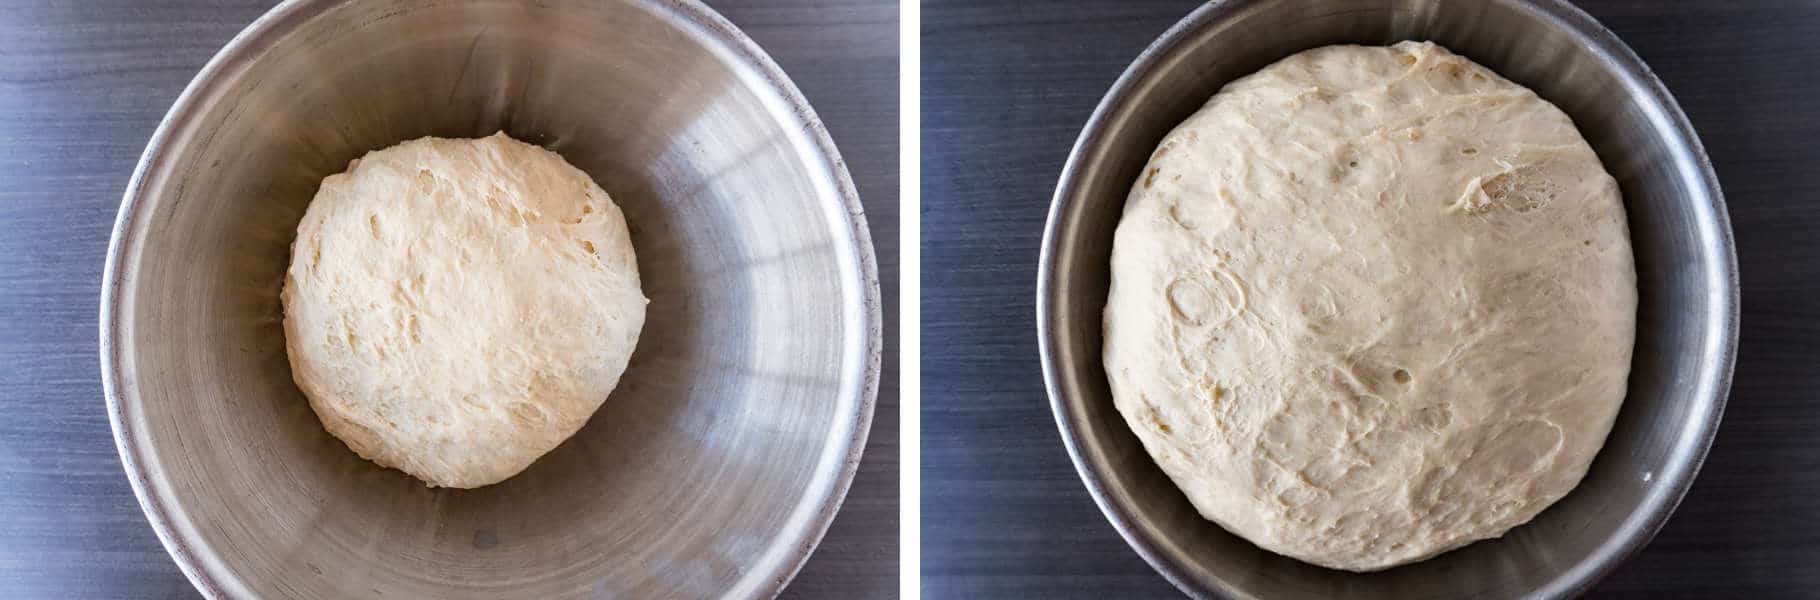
(1008, 85)
(82, 86)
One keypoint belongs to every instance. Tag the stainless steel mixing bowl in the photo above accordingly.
(714, 468)
(1687, 278)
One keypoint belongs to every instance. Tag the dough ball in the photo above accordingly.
(456, 308)
(1372, 304)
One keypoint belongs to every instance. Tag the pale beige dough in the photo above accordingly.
(1372, 304)
(457, 308)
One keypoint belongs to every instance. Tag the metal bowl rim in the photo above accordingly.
(1655, 509)
(783, 560)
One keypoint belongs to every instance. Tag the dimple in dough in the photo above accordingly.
(457, 308)
(1371, 304)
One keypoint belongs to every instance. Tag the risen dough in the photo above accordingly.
(1372, 304)
(457, 308)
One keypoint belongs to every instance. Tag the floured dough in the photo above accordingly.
(1372, 304)
(457, 308)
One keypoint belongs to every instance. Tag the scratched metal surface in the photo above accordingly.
(82, 86)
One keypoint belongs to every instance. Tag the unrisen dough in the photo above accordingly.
(1372, 304)
(457, 308)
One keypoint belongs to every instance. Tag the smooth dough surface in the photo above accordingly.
(456, 308)
(1371, 304)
